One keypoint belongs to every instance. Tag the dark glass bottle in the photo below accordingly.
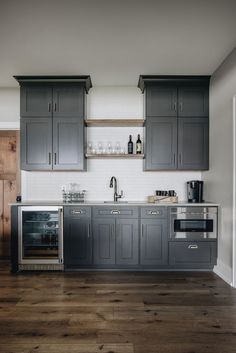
(138, 145)
(130, 145)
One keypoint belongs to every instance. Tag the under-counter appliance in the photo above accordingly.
(195, 191)
(40, 238)
(194, 222)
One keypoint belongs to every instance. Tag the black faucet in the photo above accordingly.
(116, 196)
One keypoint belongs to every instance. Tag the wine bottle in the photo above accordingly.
(130, 145)
(138, 145)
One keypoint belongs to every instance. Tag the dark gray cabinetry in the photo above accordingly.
(193, 101)
(77, 237)
(36, 143)
(61, 100)
(178, 143)
(127, 242)
(104, 241)
(192, 254)
(115, 236)
(154, 241)
(68, 143)
(161, 101)
(161, 143)
(193, 143)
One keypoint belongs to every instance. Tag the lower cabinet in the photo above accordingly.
(77, 237)
(115, 241)
(192, 254)
(154, 242)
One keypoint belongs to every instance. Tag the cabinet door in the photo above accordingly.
(193, 101)
(127, 241)
(104, 241)
(68, 101)
(161, 101)
(68, 143)
(36, 143)
(77, 241)
(161, 143)
(154, 245)
(36, 101)
(193, 143)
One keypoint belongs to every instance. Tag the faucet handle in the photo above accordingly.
(121, 193)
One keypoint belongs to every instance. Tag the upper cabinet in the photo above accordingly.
(177, 122)
(52, 111)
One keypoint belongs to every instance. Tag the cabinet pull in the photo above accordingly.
(88, 230)
(77, 212)
(55, 158)
(181, 107)
(49, 158)
(180, 158)
(193, 246)
(115, 212)
(174, 107)
(153, 212)
(55, 107)
(142, 231)
(174, 158)
(49, 107)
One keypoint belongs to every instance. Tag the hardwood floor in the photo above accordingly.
(116, 312)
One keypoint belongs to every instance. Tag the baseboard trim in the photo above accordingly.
(223, 271)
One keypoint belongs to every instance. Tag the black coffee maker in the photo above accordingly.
(195, 191)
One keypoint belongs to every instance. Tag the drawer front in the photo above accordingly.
(77, 211)
(192, 253)
(120, 211)
(154, 212)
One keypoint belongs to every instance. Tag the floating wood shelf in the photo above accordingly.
(114, 122)
(111, 155)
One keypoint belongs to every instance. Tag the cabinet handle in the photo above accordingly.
(174, 158)
(174, 107)
(193, 246)
(142, 231)
(55, 158)
(180, 158)
(49, 107)
(181, 107)
(77, 212)
(115, 212)
(49, 158)
(55, 107)
(88, 230)
(153, 212)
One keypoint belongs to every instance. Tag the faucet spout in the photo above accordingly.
(113, 182)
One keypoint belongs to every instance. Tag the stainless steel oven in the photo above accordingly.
(40, 238)
(193, 222)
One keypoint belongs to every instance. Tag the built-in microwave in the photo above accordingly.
(40, 238)
(193, 222)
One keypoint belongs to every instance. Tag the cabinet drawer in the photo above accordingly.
(120, 211)
(192, 253)
(154, 212)
(77, 211)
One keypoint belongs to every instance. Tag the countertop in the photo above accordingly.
(110, 203)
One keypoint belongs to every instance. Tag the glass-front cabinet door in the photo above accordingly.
(40, 234)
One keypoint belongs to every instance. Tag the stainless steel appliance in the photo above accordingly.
(40, 238)
(193, 222)
(195, 191)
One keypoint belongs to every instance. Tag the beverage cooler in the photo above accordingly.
(40, 238)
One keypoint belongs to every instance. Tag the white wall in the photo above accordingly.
(219, 179)
(9, 107)
(103, 102)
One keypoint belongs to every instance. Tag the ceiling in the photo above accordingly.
(114, 40)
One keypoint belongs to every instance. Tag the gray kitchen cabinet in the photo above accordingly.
(193, 143)
(193, 101)
(127, 242)
(161, 144)
(154, 245)
(77, 236)
(61, 100)
(36, 143)
(68, 143)
(161, 100)
(104, 241)
(36, 101)
(192, 254)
